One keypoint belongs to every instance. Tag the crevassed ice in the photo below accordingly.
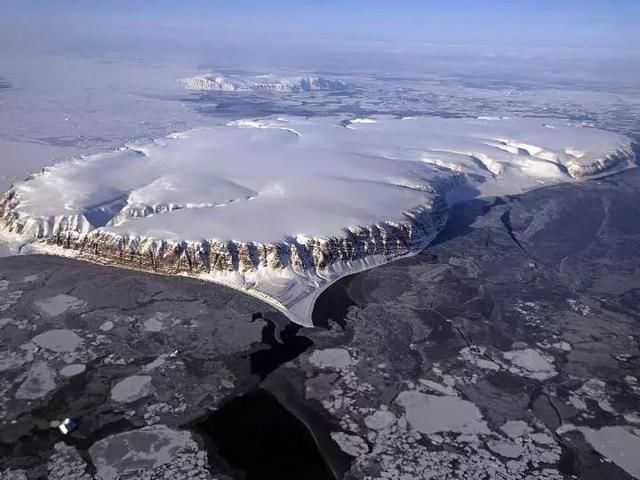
(281, 207)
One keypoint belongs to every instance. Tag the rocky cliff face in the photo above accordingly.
(620, 158)
(304, 256)
(269, 83)
(312, 255)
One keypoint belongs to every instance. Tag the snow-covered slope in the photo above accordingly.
(280, 208)
(261, 83)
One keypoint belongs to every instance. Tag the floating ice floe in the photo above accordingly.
(593, 389)
(433, 414)
(73, 370)
(59, 304)
(380, 419)
(146, 448)
(350, 444)
(531, 363)
(58, 340)
(131, 389)
(282, 207)
(334, 358)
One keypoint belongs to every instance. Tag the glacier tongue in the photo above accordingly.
(282, 207)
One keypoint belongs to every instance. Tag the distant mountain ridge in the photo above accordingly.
(262, 83)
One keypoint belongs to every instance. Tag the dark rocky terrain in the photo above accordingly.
(509, 349)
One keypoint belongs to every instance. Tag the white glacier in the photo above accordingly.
(282, 207)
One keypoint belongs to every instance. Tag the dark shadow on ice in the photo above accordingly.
(99, 215)
(462, 217)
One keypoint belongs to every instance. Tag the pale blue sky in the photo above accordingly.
(516, 22)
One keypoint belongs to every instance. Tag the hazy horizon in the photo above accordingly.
(197, 25)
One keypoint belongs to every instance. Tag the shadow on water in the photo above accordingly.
(284, 345)
(259, 439)
(333, 304)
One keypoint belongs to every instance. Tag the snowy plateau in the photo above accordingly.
(261, 83)
(282, 207)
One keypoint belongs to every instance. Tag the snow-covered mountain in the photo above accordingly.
(261, 83)
(282, 207)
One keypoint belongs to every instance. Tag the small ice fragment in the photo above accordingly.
(106, 326)
(73, 370)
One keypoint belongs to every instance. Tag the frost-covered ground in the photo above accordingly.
(282, 207)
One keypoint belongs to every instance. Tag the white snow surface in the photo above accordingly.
(261, 83)
(292, 179)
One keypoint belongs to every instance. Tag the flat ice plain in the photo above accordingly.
(282, 207)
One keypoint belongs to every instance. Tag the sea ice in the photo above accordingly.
(131, 389)
(515, 428)
(40, 381)
(380, 420)
(433, 414)
(505, 449)
(149, 447)
(10, 360)
(531, 363)
(59, 304)
(73, 370)
(60, 340)
(350, 444)
(153, 324)
(337, 358)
